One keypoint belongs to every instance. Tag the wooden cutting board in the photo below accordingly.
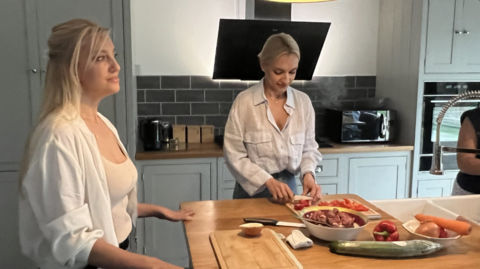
(233, 250)
(371, 214)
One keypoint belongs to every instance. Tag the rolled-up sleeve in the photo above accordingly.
(311, 157)
(248, 174)
(55, 191)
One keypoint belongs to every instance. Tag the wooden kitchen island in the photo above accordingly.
(228, 215)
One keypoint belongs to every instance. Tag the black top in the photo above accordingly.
(468, 182)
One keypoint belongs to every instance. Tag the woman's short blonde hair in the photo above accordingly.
(278, 45)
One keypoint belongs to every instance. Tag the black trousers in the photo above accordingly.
(123, 245)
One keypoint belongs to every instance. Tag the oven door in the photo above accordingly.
(432, 105)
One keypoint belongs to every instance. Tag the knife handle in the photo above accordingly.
(262, 221)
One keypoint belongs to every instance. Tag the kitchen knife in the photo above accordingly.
(274, 222)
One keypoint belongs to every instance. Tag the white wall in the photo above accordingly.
(351, 45)
(179, 37)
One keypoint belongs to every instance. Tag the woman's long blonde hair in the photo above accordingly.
(63, 91)
(276, 46)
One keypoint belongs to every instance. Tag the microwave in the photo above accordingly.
(354, 126)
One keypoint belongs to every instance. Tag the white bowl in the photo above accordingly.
(412, 225)
(332, 234)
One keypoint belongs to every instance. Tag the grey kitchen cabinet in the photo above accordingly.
(453, 35)
(378, 178)
(10, 248)
(226, 181)
(23, 63)
(434, 188)
(168, 183)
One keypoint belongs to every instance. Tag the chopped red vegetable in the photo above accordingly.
(298, 206)
(346, 203)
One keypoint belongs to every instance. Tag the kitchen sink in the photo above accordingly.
(467, 206)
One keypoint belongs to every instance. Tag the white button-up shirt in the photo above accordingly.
(254, 146)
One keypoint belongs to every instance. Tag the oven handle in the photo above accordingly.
(462, 101)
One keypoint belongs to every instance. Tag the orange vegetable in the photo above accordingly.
(459, 227)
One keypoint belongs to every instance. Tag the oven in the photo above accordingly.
(436, 95)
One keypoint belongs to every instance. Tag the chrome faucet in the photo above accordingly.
(437, 165)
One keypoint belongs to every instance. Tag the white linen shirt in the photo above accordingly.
(254, 146)
(65, 204)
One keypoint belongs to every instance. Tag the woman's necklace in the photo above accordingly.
(276, 100)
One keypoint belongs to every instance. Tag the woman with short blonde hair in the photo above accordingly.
(78, 195)
(270, 131)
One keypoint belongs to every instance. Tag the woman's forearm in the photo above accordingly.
(150, 210)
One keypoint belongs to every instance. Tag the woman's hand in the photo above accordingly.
(310, 186)
(280, 191)
(184, 214)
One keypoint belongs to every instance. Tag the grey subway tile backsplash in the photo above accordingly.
(148, 109)
(350, 82)
(191, 120)
(204, 82)
(148, 82)
(371, 93)
(223, 95)
(175, 82)
(170, 119)
(190, 95)
(233, 85)
(140, 96)
(197, 100)
(353, 94)
(366, 82)
(157, 96)
(219, 121)
(225, 108)
(175, 109)
(205, 108)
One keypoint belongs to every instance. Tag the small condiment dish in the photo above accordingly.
(251, 229)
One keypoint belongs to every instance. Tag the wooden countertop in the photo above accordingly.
(228, 215)
(214, 150)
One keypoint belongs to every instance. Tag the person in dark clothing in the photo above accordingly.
(468, 179)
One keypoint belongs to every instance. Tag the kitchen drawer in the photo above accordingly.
(329, 189)
(329, 168)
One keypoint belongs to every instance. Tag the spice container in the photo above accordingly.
(207, 133)
(193, 134)
(179, 132)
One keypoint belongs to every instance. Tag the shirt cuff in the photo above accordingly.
(257, 183)
(83, 255)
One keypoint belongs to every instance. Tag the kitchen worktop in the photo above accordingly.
(228, 215)
(213, 150)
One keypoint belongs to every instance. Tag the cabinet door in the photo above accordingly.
(470, 40)
(10, 247)
(49, 13)
(15, 111)
(434, 188)
(442, 41)
(226, 181)
(378, 178)
(168, 186)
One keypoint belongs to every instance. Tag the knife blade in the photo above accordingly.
(274, 222)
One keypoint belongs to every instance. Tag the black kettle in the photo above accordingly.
(154, 132)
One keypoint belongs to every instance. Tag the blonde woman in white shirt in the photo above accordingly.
(270, 132)
(78, 197)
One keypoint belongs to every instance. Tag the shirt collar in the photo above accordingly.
(259, 95)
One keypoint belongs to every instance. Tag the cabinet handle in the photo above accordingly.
(466, 32)
(459, 32)
(34, 71)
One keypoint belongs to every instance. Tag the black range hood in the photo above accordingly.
(240, 41)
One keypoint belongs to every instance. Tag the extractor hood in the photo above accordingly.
(240, 41)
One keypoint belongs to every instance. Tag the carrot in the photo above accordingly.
(459, 227)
